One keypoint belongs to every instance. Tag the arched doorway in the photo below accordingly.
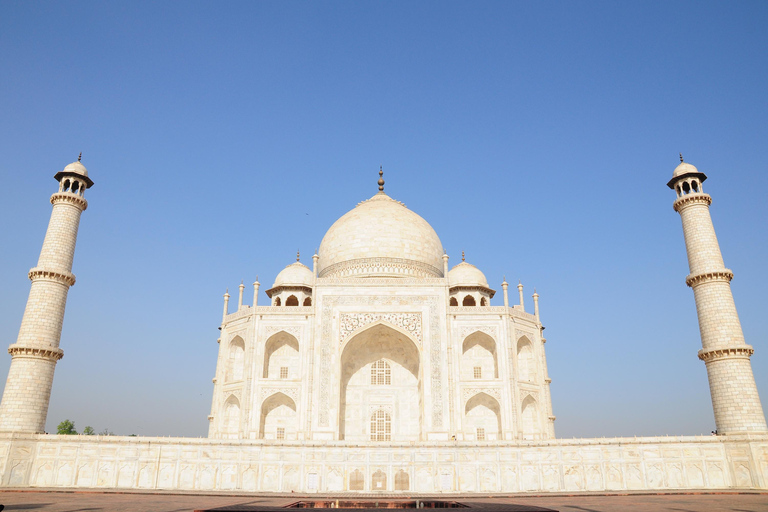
(380, 371)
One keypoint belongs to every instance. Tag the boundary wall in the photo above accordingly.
(613, 464)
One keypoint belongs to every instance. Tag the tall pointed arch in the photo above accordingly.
(359, 396)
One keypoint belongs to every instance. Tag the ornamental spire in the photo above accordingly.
(80, 156)
(298, 255)
(381, 179)
(681, 158)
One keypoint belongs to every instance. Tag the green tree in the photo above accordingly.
(88, 431)
(66, 428)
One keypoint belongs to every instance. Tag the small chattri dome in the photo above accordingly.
(684, 168)
(295, 274)
(465, 274)
(75, 169)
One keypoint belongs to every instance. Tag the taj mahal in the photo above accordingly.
(383, 368)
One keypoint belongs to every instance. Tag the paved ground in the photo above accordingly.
(58, 501)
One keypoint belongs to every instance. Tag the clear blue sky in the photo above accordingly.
(538, 137)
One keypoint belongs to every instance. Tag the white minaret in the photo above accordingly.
(34, 355)
(731, 383)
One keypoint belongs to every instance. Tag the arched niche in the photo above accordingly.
(235, 359)
(359, 397)
(230, 418)
(530, 418)
(469, 301)
(453, 302)
(402, 481)
(479, 351)
(278, 411)
(482, 411)
(526, 363)
(281, 351)
(292, 300)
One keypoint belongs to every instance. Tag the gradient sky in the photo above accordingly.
(538, 137)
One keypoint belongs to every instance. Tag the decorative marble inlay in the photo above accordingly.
(409, 322)
(293, 331)
(487, 329)
(291, 392)
(468, 393)
(519, 334)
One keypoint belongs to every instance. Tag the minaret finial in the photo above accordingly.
(681, 158)
(381, 178)
(462, 256)
(298, 255)
(80, 156)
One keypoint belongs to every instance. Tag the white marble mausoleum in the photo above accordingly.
(382, 369)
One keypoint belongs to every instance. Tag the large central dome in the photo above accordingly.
(380, 237)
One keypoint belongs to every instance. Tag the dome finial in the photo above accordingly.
(298, 255)
(381, 178)
(80, 157)
(462, 255)
(681, 158)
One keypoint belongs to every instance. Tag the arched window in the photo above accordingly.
(75, 186)
(292, 301)
(686, 188)
(454, 302)
(695, 185)
(66, 185)
(308, 301)
(401, 481)
(381, 426)
(483, 302)
(381, 373)
(277, 302)
(469, 301)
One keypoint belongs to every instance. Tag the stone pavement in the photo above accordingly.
(77, 501)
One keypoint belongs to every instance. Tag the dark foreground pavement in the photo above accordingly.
(87, 501)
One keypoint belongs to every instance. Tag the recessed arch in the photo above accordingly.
(358, 398)
(483, 302)
(526, 363)
(482, 411)
(235, 359)
(308, 301)
(230, 418)
(402, 481)
(469, 301)
(530, 418)
(281, 350)
(453, 302)
(278, 411)
(479, 349)
(291, 301)
(277, 302)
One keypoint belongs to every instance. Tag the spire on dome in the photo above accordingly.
(681, 158)
(80, 157)
(298, 255)
(462, 256)
(381, 179)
